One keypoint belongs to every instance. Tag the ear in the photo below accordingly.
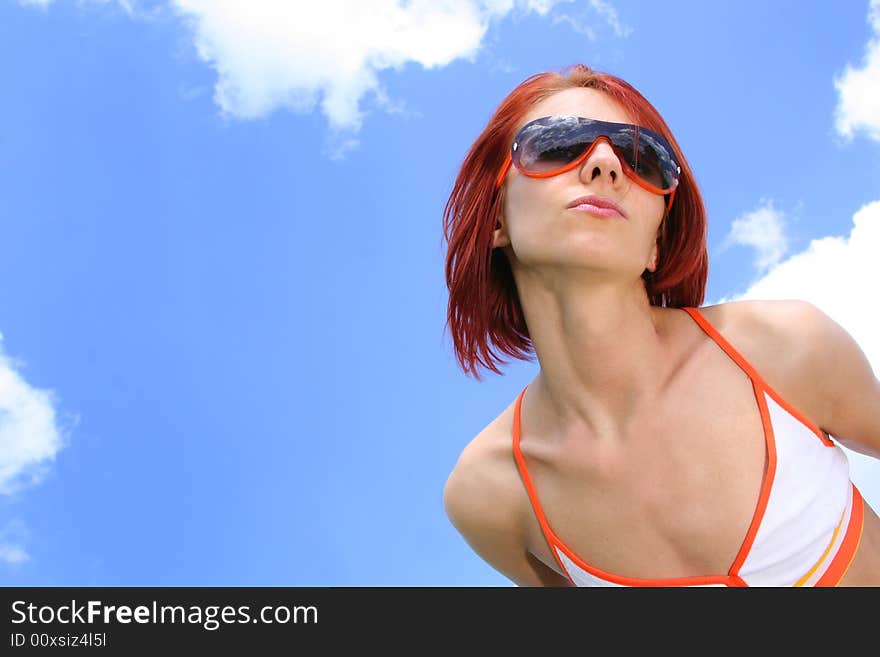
(500, 238)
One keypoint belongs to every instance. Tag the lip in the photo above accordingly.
(597, 205)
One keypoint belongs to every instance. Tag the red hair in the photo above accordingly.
(484, 310)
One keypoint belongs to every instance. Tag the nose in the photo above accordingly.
(601, 161)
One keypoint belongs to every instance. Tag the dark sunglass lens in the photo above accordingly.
(648, 167)
(623, 139)
(651, 159)
(655, 156)
(546, 145)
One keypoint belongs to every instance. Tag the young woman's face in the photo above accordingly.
(537, 226)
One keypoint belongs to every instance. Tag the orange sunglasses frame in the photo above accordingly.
(632, 175)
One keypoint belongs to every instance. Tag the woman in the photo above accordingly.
(661, 443)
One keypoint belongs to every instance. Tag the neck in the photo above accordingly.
(603, 352)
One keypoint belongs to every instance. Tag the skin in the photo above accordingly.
(615, 423)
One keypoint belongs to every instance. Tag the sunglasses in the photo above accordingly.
(553, 145)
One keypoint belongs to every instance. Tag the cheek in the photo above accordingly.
(513, 210)
(649, 208)
(527, 201)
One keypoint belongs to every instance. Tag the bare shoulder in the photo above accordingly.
(785, 341)
(771, 331)
(763, 319)
(485, 501)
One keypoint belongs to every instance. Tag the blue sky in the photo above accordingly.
(222, 296)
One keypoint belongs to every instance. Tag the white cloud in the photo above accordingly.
(13, 534)
(29, 441)
(609, 13)
(858, 106)
(764, 230)
(12, 554)
(585, 22)
(328, 54)
(838, 275)
(301, 55)
(29, 435)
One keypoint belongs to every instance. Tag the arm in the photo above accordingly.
(848, 382)
(843, 384)
(481, 507)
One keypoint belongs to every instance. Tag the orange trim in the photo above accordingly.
(766, 485)
(698, 580)
(755, 376)
(499, 180)
(847, 551)
(527, 480)
(555, 543)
